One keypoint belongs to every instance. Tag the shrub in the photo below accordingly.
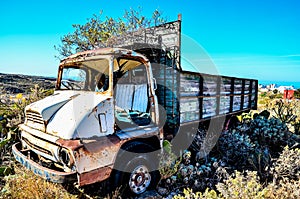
(287, 165)
(237, 186)
(188, 193)
(168, 161)
(247, 186)
(11, 115)
(242, 186)
(235, 148)
(287, 112)
(269, 132)
(284, 189)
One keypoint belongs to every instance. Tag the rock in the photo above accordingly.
(171, 195)
(152, 194)
(162, 191)
(15, 83)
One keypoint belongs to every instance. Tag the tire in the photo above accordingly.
(137, 170)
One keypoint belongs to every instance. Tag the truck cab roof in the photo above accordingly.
(90, 54)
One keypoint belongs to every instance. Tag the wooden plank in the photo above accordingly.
(218, 96)
(242, 96)
(236, 103)
(246, 101)
(209, 107)
(247, 86)
(189, 116)
(201, 99)
(231, 96)
(224, 104)
(225, 86)
(191, 104)
(250, 91)
(238, 86)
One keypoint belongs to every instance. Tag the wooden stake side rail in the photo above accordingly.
(204, 96)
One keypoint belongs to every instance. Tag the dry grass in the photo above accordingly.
(24, 184)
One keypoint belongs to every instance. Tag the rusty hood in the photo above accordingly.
(66, 113)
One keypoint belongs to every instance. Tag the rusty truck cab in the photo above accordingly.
(104, 100)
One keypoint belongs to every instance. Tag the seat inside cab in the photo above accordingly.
(132, 98)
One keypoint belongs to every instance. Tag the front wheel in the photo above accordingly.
(138, 173)
(140, 178)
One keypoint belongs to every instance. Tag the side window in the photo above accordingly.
(121, 78)
(101, 82)
(139, 76)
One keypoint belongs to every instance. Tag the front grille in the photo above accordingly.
(33, 146)
(34, 117)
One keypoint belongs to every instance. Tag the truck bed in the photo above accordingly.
(190, 97)
(187, 97)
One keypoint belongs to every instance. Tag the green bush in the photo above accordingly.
(11, 115)
(235, 148)
(287, 111)
(258, 144)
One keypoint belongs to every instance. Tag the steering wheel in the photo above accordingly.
(69, 84)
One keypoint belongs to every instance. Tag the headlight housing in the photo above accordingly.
(66, 157)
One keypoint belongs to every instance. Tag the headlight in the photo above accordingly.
(65, 157)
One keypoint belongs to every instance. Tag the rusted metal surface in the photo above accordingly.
(98, 144)
(96, 153)
(40, 146)
(96, 175)
(102, 52)
(48, 174)
(70, 144)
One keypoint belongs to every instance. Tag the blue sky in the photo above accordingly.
(250, 38)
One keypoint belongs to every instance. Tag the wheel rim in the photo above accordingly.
(140, 179)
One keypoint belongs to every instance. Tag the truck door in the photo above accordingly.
(132, 99)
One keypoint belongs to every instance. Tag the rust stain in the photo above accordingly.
(96, 175)
(70, 144)
(99, 144)
(98, 152)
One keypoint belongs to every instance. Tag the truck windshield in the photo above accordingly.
(88, 75)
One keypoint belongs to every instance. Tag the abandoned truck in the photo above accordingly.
(113, 107)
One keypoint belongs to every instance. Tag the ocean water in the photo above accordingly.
(281, 83)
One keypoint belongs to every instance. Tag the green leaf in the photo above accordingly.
(5, 170)
(167, 146)
(5, 141)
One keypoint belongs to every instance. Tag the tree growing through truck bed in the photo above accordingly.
(96, 31)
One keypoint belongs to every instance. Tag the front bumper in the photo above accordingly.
(46, 173)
